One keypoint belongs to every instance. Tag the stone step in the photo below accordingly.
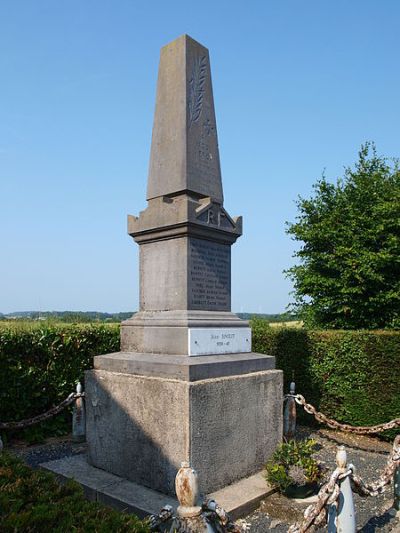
(238, 499)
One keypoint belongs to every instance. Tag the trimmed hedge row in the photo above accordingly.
(351, 376)
(33, 500)
(40, 366)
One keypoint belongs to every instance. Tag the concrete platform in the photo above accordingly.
(238, 499)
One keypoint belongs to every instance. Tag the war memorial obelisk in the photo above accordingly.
(186, 385)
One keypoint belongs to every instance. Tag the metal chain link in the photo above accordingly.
(44, 416)
(378, 486)
(211, 515)
(316, 514)
(333, 424)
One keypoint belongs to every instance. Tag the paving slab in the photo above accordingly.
(242, 497)
(237, 499)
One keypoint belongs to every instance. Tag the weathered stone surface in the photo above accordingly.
(183, 215)
(183, 367)
(235, 426)
(238, 499)
(137, 427)
(243, 496)
(142, 428)
(78, 468)
(163, 275)
(107, 488)
(184, 150)
(185, 273)
(168, 331)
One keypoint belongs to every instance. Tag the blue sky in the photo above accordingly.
(298, 86)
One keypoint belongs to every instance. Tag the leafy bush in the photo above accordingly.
(348, 273)
(292, 464)
(32, 500)
(40, 366)
(351, 376)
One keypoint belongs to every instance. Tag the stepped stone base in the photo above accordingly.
(238, 499)
(141, 427)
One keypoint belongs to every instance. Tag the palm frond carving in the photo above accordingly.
(196, 93)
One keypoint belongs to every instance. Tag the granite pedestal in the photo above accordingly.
(142, 427)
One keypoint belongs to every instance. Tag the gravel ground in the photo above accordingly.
(276, 513)
(368, 455)
(53, 449)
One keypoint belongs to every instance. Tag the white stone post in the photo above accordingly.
(79, 417)
(187, 491)
(346, 516)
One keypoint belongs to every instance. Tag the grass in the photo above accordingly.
(33, 501)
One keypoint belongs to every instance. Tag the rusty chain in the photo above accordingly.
(211, 515)
(377, 487)
(333, 424)
(316, 515)
(44, 416)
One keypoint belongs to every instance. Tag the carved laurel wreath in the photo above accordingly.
(197, 83)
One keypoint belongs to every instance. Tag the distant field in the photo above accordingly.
(290, 324)
(45, 324)
(22, 324)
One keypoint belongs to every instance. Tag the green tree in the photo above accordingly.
(348, 275)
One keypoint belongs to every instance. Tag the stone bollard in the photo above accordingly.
(346, 517)
(79, 417)
(192, 517)
(396, 489)
(187, 491)
(289, 415)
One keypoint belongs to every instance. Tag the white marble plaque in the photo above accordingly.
(210, 341)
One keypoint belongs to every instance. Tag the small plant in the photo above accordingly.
(293, 470)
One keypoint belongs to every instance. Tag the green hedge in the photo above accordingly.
(40, 365)
(32, 500)
(352, 376)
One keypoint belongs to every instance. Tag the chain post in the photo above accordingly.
(346, 516)
(289, 414)
(79, 417)
(396, 485)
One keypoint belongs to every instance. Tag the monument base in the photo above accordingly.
(141, 427)
(168, 332)
(238, 499)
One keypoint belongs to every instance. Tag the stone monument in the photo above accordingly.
(186, 385)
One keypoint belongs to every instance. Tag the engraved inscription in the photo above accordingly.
(196, 92)
(207, 164)
(216, 216)
(209, 275)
